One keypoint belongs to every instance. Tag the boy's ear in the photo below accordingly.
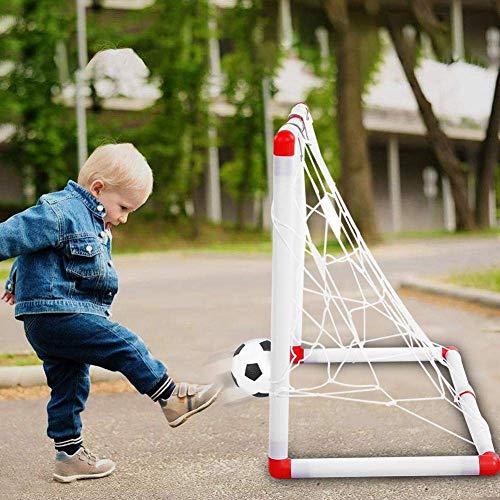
(96, 188)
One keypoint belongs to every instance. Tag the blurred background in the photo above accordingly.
(404, 94)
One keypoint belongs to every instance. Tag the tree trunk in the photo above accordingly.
(437, 31)
(356, 174)
(488, 160)
(438, 140)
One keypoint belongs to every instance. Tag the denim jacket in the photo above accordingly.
(64, 263)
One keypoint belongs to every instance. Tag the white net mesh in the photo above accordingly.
(347, 311)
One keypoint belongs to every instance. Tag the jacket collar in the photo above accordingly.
(89, 200)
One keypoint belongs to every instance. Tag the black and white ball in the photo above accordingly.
(251, 368)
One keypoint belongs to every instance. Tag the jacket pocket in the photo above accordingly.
(85, 257)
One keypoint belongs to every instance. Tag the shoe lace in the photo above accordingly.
(90, 456)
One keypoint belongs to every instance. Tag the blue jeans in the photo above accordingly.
(67, 344)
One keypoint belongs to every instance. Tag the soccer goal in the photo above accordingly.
(333, 307)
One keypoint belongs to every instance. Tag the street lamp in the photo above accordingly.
(80, 98)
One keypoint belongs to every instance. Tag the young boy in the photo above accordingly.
(63, 284)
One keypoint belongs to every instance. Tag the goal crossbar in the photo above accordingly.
(289, 241)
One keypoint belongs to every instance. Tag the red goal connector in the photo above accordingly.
(489, 464)
(280, 468)
(284, 143)
(448, 348)
(297, 355)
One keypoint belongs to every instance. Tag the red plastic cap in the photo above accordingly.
(489, 464)
(448, 348)
(297, 354)
(281, 468)
(284, 143)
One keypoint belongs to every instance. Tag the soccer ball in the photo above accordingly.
(251, 368)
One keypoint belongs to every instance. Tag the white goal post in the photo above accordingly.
(293, 244)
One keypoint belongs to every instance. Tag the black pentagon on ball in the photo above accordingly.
(234, 380)
(266, 345)
(252, 371)
(239, 349)
(261, 394)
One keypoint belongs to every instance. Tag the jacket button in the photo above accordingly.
(88, 248)
(100, 208)
(110, 294)
(9, 286)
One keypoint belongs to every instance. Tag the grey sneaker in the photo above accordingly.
(81, 465)
(188, 399)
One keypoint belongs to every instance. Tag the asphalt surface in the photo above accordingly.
(188, 307)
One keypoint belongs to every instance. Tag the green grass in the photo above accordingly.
(7, 359)
(442, 233)
(4, 274)
(485, 280)
(141, 235)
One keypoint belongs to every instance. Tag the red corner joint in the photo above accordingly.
(284, 143)
(448, 348)
(489, 464)
(280, 468)
(297, 354)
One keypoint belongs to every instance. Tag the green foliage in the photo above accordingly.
(175, 139)
(321, 102)
(9, 48)
(252, 59)
(44, 139)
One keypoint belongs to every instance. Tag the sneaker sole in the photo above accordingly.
(184, 417)
(70, 479)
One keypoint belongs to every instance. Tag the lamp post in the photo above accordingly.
(80, 97)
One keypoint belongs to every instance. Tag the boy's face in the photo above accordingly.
(119, 203)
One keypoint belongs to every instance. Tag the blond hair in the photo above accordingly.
(119, 166)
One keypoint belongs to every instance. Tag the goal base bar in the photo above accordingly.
(301, 355)
(487, 464)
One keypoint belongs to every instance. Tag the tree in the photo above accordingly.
(175, 48)
(44, 137)
(488, 161)
(252, 59)
(438, 140)
(488, 157)
(356, 177)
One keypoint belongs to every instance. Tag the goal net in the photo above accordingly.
(333, 305)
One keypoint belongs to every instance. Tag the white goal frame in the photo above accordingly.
(287, 278)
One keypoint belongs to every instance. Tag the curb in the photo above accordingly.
(481, 297)
(27, 376)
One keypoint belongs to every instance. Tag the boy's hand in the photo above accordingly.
(8, 297)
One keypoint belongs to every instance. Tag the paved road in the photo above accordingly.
(188, 306)
(186, 289)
